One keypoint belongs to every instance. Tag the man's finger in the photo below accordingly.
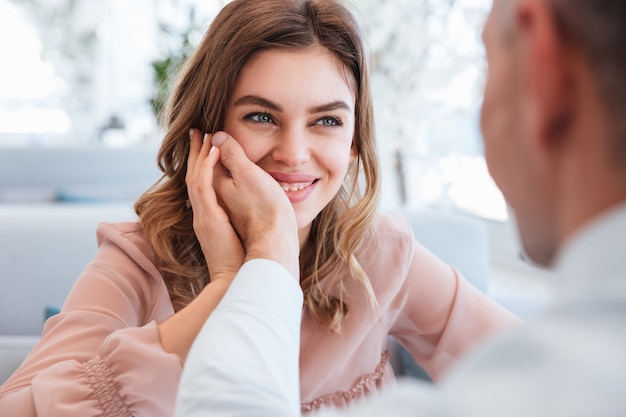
(232, 154)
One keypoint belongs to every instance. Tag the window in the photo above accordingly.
(81, 73)
(29, 86)
(428, 78)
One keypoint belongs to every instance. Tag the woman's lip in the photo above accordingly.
(297, 186)
(292, 177)
(298, 192)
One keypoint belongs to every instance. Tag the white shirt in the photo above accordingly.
(569, 361)
(244, 361)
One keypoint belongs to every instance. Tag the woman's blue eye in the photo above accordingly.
(260, 118)
(329, 121)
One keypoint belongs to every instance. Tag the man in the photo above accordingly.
(555, 143)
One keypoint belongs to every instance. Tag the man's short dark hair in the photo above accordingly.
(598, 27)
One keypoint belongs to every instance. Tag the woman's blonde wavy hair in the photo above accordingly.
(242, 29)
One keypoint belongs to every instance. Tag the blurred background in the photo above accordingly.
(79, 72)
(81, 86)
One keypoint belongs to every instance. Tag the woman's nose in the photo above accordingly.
(291, 148)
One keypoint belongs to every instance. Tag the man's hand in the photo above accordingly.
(257, 206)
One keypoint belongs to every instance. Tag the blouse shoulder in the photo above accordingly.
(388, 250)
(129, 237)
(389, 222)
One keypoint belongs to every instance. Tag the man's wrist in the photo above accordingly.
(285, 255)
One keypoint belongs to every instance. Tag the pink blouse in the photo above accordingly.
(102, 354)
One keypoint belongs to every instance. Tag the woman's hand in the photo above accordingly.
(220, 244)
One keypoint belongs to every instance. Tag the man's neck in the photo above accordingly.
(590, 181)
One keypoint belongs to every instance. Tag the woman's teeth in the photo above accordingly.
(294, 187)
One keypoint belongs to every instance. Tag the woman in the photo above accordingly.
(289, 80)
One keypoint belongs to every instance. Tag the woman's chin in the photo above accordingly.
(304, 229)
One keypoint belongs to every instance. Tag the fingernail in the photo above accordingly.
(190, 133)
(206, 136)
(218, 138)
(211, 150)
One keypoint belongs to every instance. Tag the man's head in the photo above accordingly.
(555, 137)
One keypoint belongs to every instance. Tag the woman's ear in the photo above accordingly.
(546, 62)
(353, 152)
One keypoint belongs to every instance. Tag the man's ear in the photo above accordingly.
(546, 71)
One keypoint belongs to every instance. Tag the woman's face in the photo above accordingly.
(293, 113)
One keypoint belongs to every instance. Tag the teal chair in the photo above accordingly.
(50, 311)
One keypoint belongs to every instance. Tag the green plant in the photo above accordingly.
(178, 46)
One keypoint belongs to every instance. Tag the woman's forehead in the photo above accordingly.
(312, 72)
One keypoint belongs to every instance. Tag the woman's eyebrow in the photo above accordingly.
(263, 102)
(258, 101)
(334, 105)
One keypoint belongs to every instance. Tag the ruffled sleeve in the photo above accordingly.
(130, 376)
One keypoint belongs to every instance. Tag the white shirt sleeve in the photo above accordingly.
(244, 361)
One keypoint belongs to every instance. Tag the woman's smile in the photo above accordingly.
(297, 186)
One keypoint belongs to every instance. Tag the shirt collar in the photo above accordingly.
(597, 252)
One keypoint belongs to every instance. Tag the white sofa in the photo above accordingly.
(44, 248)
(76, 174)
(51, 200)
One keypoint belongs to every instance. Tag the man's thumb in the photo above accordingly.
(231, 152)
